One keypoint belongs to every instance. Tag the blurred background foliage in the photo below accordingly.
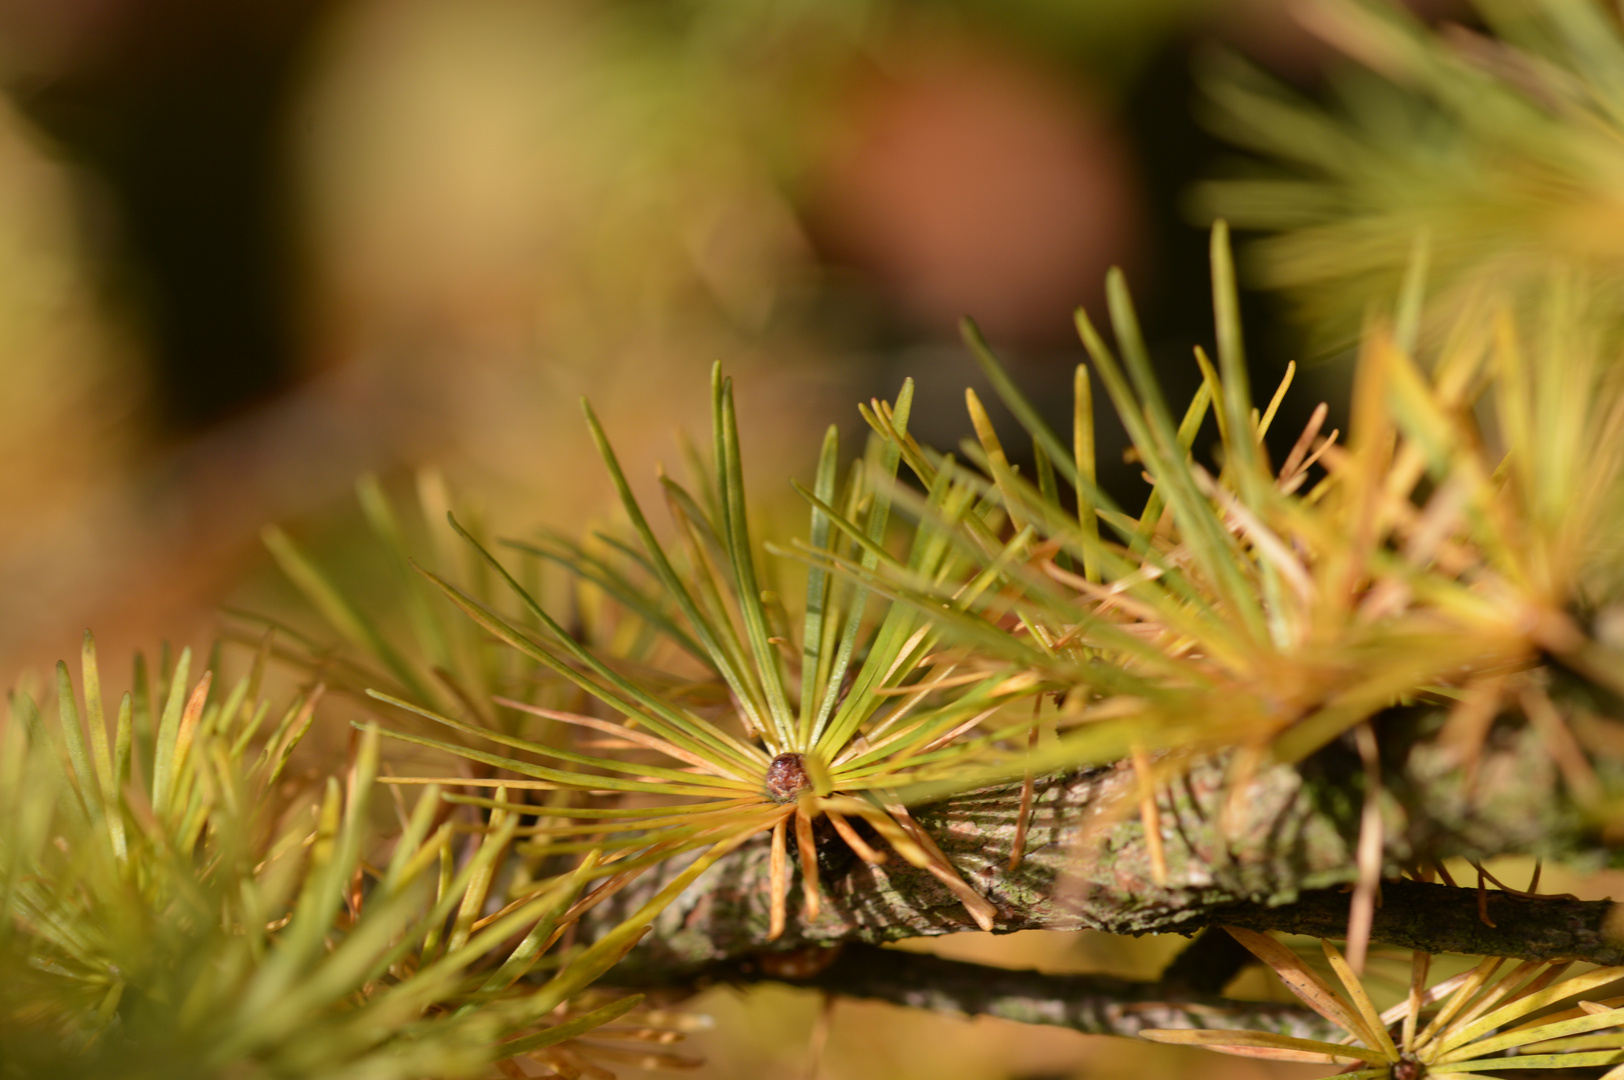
(252, 248)
(1499, 140)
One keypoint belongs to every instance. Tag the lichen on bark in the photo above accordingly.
(1261, 855)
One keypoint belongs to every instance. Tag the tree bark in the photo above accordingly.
(1274, 850)
(1092, 1004)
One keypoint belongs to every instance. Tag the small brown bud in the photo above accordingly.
(786, 777)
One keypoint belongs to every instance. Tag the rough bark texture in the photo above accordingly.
(1092, 1004)
(1261, 853)
(1268, 848)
